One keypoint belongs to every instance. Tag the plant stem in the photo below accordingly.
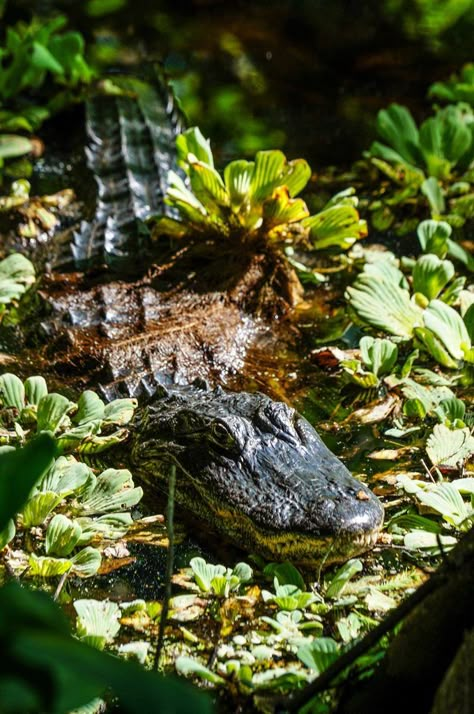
(169, 565)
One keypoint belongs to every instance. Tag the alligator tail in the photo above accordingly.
(131, 135)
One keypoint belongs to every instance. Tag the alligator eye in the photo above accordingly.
(221, 434)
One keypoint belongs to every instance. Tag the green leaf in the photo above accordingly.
(448, 326)
(338, 226)
(285, 573)
(120, 411)
(237, 178)
(97, 621)
(446, 500)
(450, 409)
(48, 567)
(38, 508)
(319, 654)
(89, 408)
(112, 491)
(266, 174)
(35, 389)
(188, 666)
(62, 536)
(65, 476)
(52, 410)
(449, 447)
(427, 541)
(208, 186)
(380, 302)
(13, 145)
(12, 391)
(87, 562)
(345, 573)
(204, 573)
(433, 236)
(20, 469)
(431, 275)
(435, 347)
(397, 126)
(433, 192)
(7, 534)
(192, 142)
(110, 526)
(379, 355)
(243, 572)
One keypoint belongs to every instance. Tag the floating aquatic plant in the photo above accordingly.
(71, 506)
(253, 200)
(17, 274)
(458, 88)
(381, 297)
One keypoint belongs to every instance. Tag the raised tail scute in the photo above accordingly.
(131, 149)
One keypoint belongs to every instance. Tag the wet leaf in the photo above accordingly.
(62, 536)
(35, 389)
(39, 507)
(112, 491)
(12, 391)
(97, 621)
(342, 577)
(48, 567)
(379, 355)
(431, 275)
(189, 666)
(89, 408)
(120, 411)
(87, 562)
(449, 447)
(319, 654)
(52, 411)
(433, 236)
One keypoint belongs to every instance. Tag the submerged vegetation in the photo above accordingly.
(401, 366)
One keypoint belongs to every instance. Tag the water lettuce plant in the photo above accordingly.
(381, 297)
(252, 201)
(458, 88)
(71, 505)
(17, 274)
(442, 146)
(32, 53)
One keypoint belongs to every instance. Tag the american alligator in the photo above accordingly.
(251, 468)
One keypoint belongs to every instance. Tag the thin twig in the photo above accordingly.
(60, 585)
(169, 565)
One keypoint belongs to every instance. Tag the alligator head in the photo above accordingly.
(257, 472)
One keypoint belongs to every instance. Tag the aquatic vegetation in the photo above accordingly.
(32, 53)
(17, 274)
(442, 146)
(459, 88)
(35, 214)
(381, 297)
(434, 237)
(254, 200)
(378, 355)
(70, 506)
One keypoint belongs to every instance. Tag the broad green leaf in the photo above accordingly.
(65, 476)
(13, 145)
(296, 175)
(112, 491)
(208, 187)
(345, 573)
(205, 572)
(237, 178)
(52, 410)
(431, 275)
(280, 208)
(188, 666)
(35, 389)
(266, 174)
(380, 355)
(38, 508)
(193, 142)
(435, 347)
(450, 409)
(12, 391)
(339, 226)
(449, 447)
(7, 534)
(42, 59)
(382, 303)
(20, 469)
(120, 411)
(62, 536)
(397, 126)
(448, 326)
(286, 574)
(48, 567)
(110, 526)
(433, 192)
(89, 408)
(97, 621)
(446, 500)
(425, 540)
(243, 572)
(319, 654)
(87, 562)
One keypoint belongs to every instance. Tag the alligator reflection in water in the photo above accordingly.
(250, 467)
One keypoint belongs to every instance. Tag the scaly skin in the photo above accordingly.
(255, 471)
